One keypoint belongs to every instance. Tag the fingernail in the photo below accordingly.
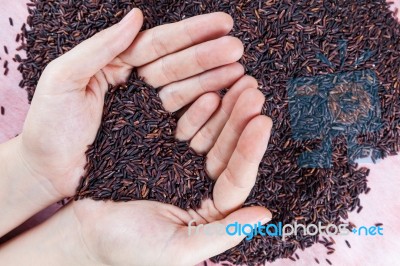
(127, 17)
(267, 217)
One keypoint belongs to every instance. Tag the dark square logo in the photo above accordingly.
(326, 106)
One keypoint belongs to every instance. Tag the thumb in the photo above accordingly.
(87, 58)
(212, 239)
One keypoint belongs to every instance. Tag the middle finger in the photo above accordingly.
(192, 61)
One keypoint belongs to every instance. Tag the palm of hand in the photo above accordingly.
(153, 233)
(234, 139)
(114, 230)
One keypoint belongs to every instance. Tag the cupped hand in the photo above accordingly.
(189, 59)
(153, 233)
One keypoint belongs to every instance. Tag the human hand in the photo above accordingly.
(153, 233)
(235, 140)
(66, 110)
(48, 157)
(383, 175)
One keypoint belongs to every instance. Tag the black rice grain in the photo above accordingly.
(18, 58)
(135, 155)
(283, 40)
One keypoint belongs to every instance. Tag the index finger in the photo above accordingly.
(235, 183)
(157, 42)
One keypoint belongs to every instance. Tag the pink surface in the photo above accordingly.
(382, 204)
(13, 98)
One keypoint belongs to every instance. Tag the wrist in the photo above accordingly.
(58, 241)
(22, 193)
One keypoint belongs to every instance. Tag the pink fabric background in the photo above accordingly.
(382, 204)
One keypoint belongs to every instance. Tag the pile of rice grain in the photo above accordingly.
(282, 40)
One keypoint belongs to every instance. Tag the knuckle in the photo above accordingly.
(208, 134)
(230, 178)
(220, 155)
(181, 133)
(169, 72)
(55, 70)
(178, 99)
(199, 59)
(158, 45)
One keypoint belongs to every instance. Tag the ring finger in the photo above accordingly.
(176, 95)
